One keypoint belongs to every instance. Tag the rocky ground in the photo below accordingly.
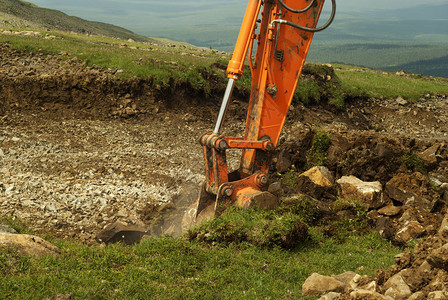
(81, 150)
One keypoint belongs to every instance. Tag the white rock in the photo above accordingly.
(369, 193)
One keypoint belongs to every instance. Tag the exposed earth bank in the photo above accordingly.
(81, 149)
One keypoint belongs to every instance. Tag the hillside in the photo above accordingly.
(21, 14)
(99, 148)
(97, 133)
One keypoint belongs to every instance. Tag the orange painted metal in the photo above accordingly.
(268, 107)
(236, 64)
(281, 53)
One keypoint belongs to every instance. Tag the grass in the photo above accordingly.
(388, 85)
(169, 268)
(266, 229)
(161, 64)
(413, 162)
(317, 155)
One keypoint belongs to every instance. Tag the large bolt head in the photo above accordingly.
(223, 145)
(270, 146)
(228, 192)
(264, 180)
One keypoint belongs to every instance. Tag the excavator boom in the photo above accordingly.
(282, 37)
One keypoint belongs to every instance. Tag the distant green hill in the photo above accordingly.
(414, 39)
(16, 13)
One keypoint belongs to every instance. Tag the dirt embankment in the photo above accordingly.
(80, 148)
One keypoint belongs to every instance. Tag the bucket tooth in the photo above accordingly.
(202, 210)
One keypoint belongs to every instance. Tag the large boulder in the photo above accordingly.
(430, 156)
(27, 244)
(410, 231)
(363, 282)
(318, 284)
(317, 182)
(331, 296)
(360, 294)
(283, 161)
(368, 193)
(385, 227)
(390, 211)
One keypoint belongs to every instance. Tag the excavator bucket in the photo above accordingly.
(239, 193)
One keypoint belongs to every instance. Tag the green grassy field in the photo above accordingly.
(176, 268)
(388, 85)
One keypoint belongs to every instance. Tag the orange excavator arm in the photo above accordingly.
(282, 37)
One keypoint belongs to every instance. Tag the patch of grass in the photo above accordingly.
(359, 208)
(265, 229)
(351, 220)
(289, 179)
(171, 268)
(387, 85)
(308, 91)
(317, 155)
(166, 67)
(319, 84)
(413, 162)
(16, 224)
(163, 65)
(12, 263)
(302, 206)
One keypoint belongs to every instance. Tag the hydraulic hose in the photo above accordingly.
(298, 11)
(325, 26)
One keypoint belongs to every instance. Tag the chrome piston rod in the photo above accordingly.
(224, 105)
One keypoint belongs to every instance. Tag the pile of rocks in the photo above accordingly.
(402, 183)
(403, 204)
(418, 274)
(407, 207)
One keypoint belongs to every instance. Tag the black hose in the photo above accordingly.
(297, 10)
(325, 26)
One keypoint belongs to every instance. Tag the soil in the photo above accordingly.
(81, 148)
